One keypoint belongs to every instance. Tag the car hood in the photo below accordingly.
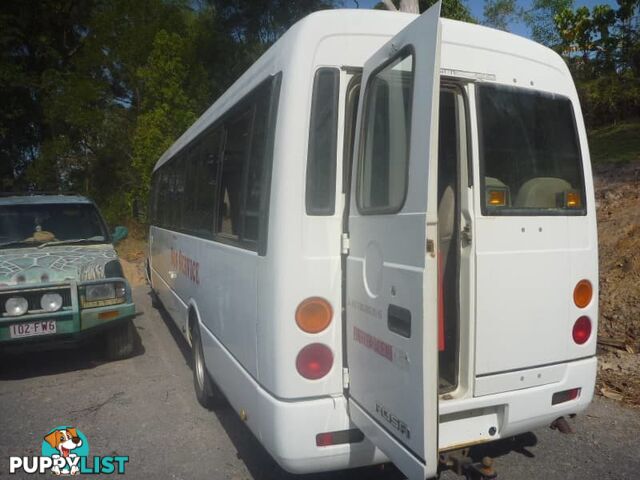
(54, 264)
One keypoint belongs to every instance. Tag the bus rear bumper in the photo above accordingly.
(296, 451)
(287, 428)
(469, 421)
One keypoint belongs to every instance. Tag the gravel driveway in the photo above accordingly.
(144, 407)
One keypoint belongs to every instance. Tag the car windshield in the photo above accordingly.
(37, 224)
(529, 153)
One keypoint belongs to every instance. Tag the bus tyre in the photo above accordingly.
(201, 380)
(120, 341)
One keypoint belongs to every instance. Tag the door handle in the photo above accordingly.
(173, 275)
(399, 320)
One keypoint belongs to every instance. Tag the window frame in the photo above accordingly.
(527, 212)
(404, 52)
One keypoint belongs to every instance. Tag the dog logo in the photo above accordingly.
(65, 451)
(66, 441)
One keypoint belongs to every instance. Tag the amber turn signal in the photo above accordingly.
(108, 315)
(497, 198)
(314, 314)
(573, 200)
(582, 293)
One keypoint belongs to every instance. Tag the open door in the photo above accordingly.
(392, 301)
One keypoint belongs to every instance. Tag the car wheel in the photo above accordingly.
(120, 341)
(204, 387)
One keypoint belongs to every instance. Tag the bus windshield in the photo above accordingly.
(530, 162)
(36, 224)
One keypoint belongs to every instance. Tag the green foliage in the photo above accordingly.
(94, 91)
(610, 98)
(260, 21)
(454, 9)
(166, 109)
(601, 47)
(498, 13)
(619, 142)
(540, 19)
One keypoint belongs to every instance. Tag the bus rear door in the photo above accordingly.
(391, 297)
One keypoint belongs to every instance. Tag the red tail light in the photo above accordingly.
(336, 438)
(565, 396)
(314, 361)
(582, 330)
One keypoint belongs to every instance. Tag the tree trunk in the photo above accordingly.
(409, 6)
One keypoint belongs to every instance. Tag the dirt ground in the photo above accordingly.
(132, 252)
(618, 206)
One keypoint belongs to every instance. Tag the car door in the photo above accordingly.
(391, 296)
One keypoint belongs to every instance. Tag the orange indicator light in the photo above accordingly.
(497, 198)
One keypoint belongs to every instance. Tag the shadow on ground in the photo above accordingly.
(40, 360)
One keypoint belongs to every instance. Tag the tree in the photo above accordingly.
(167, 111)
(32, 46)
(263, 21)
(601, 48)
(540, 19)
(408, 6)
(499, 13)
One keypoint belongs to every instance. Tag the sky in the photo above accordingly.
(476, 7)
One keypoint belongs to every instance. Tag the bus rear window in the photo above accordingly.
(323, 131)
(530, 162)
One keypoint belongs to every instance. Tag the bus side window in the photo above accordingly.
(255, 168)
(242, 169)
(236, 153)
(206, 182)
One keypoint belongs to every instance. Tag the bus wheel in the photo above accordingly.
(120, 341)
(201, 380)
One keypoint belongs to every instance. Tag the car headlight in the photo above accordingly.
(99, 291)
(16, 306)
(102, 294)
(51, 302)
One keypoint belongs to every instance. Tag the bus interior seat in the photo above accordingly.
(493, 182)
(541, 192)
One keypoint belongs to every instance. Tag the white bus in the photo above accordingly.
(381, 241)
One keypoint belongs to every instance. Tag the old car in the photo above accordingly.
(60, 278)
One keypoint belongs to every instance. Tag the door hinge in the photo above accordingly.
(431, 247)
(465, 236)
(344, 244)
(345, 378)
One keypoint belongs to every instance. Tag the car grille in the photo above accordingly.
(33, 298)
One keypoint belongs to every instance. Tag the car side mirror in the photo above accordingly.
(119, 234)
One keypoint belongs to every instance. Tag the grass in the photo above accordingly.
(615, 143)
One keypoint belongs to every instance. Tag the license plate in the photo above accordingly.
(31, 329)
